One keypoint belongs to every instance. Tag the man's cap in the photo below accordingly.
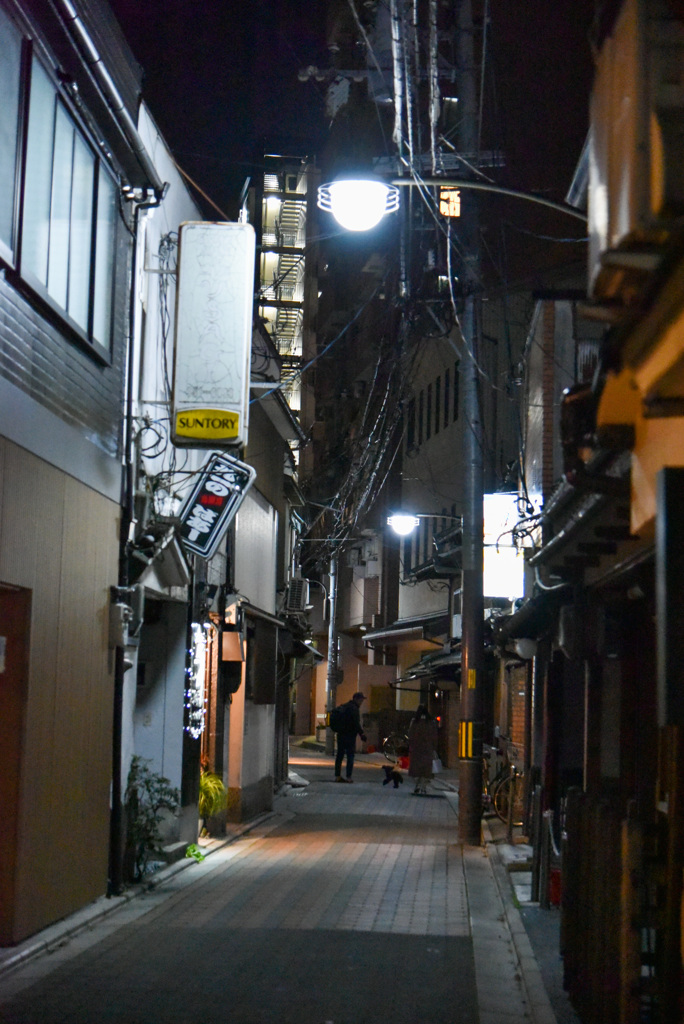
(359, 694)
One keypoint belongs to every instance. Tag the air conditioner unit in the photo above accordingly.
(297, 595)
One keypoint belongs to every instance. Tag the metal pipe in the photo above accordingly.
(116, 828)
(486, 186)
(91, 56)
(331, 680)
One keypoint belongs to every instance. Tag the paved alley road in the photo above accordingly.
(348, 905)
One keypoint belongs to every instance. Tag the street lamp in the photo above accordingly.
(402, 523)
(358, 204)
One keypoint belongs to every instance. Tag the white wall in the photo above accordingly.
(256, 533)
(158, 716)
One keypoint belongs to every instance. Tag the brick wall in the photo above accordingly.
(517, 684)
(47, 363)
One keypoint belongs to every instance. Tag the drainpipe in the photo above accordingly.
(331, 682)
(116, 831)
(91, 56)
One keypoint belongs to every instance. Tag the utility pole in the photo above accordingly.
(331, 679)
(472, 648)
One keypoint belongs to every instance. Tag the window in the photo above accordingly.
(407, 553)
(447, 397)
(425, 530)
(438, 403)
(456, 387)
(428, 417)
(10, 72)
(421, 399)
(69, 216)
(67, 225)
(410, 424)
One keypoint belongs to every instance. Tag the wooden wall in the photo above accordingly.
(59, 540)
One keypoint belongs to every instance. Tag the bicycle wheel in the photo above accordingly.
(393, 746)
(486, 790)
(511, 787)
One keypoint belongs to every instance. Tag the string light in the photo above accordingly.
(195, 672)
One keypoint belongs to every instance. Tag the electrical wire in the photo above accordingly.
(201, 191)
(298, 373)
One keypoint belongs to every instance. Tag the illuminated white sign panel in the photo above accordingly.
(214, 305)
(503, 568)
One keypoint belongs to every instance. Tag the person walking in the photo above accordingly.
(422, 737)
(350, 728)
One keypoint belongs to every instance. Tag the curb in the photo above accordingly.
(538, 999)
(58, 934)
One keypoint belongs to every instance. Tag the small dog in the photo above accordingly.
(392, 774)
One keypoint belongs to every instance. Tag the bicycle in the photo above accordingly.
(500, 783)
(395, 746)
(511, 788)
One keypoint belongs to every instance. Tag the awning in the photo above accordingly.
(294, 647)
(535, 617)
(300, 649)
(445, 665)
(167, 568)
(420, 627)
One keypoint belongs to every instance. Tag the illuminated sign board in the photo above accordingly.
(214, 309)
(450, 202)
(211, 506)
(504, 564)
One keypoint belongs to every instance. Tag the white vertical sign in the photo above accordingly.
(214, 308)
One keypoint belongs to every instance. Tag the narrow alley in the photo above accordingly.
(347, 904)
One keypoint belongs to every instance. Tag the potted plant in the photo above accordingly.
(212, 795)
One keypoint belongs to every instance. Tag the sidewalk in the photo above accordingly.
(362, 878)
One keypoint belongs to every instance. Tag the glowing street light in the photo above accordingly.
(358, 204)
(403, 524)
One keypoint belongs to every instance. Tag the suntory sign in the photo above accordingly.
(208, 424)
(214, 304)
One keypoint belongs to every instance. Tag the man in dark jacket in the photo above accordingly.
(346, 737)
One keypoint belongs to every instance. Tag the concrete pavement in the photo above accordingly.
(348, 904)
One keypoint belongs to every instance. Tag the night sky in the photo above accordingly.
(221, 82)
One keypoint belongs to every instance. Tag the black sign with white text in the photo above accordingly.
(209, 511)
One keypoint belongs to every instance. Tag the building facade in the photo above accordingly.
(65, 245)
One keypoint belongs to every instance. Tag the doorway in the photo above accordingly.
(15, 625)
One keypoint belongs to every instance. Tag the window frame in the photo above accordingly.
(23, 278)
(8, 253)
(411, 424)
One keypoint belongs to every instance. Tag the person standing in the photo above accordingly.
(422, 737)
(349, 729)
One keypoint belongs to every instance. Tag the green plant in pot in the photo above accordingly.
(212, 796)
(148, 796)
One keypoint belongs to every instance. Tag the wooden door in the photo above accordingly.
(15, 618)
